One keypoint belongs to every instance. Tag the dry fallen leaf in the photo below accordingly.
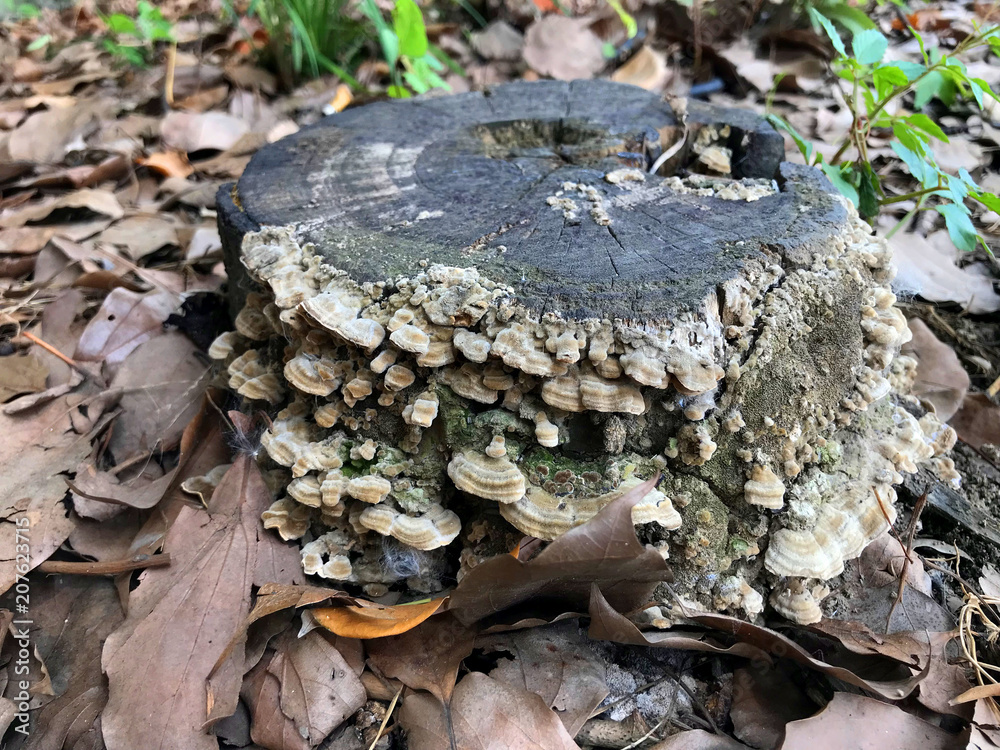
(72, 617)
(862, 723)
(978, 421)
(426, 657)
(604, 551)
(486, 715)
(45, 136)
(93, 199)
(647, 68)
(181, 617)
(301, 693)
(370, 620)
(698, 739)
(168, 164)
(556, 662)
(563, 48)
(125, 320)
(927, 266)
(21, 374)
(765, 698)
(162, 381)
(941, 379)
(199, 131)
(140, 235)
(44, 444)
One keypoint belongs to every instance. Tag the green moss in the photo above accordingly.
(464, 428)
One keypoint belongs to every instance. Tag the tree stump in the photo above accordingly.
(480, 316)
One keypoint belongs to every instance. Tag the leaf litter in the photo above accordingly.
(107, 231)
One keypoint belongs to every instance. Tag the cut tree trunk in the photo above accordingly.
(483, 309)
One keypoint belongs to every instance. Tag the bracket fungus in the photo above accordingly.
(460, 320)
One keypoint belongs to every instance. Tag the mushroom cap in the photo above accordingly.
(289, 518)
(604, 395)
(798, 603)
(411, 339)
(467, 381)
(475, 347)
(546, 516)
(398, 377)
(486, 477)
(369, 488)
(436, 527)
(764, 488)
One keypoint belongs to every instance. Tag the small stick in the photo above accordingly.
(168, 92)
(53, 351)
(388, 713)
(113, 567)
(994, 387)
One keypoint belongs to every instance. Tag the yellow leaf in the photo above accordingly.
(373, 620)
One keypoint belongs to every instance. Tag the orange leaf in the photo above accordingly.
(546, 6)
(374, 620)
(168, 164)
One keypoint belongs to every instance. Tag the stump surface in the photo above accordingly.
(469, 180)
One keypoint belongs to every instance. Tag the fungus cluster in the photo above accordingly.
(409, 410)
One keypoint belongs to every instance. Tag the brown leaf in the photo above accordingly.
(603, 551)
(125, 320)
(647, 68)
(978, 421)
(426, 657)
(927, 266)
(765, 698)
(190, 131)
(168, 164)
(93, 199)
(751, 641)
(699, 739)
(45, 136)
(43, 444)
(104, 487)
(180, 618)
(141, 234)
(21, 374)
(71, 618)
(556, 662)
(862, 723)
(906, 647)
(312, 692)
(563, 48)
(945, 681)
(941, 379)
(486, 715)
(607, 624)
(162, 381)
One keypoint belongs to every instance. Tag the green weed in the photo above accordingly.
(872, 85)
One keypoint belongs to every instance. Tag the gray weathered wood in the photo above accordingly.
(464, 180)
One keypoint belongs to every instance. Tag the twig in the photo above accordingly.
(385, 720)
(918, 508)
(54, 352)
(168, 87)
(642, 689)
(113, 567)
(666, 717)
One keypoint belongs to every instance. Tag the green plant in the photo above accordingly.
(412, 60)
(306, 38)
(873, 86)
(132, 40)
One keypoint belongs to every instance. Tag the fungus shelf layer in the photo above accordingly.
(481, 313)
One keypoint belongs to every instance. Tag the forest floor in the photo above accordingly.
(111, 425)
